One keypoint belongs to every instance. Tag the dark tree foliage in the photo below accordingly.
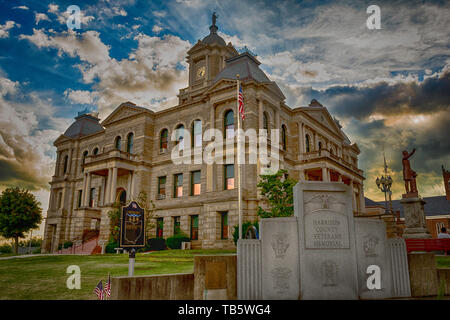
(277, 189)
(19, 213)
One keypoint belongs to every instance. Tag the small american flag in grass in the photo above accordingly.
(98, 291)
(108, 287)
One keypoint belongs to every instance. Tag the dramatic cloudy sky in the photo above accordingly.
(389, 88)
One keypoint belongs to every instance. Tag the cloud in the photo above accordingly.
(41, 17)
(25, 148)
(150, 77)
(21, 7)
(63, 16)
(157, 29)
(81, 96)
(4, 29)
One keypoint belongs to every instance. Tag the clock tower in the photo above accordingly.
(206, 59)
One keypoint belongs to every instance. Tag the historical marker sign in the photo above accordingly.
(132, 226)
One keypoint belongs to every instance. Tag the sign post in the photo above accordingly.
(132, 231)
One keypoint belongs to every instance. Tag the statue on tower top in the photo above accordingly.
(214, 18)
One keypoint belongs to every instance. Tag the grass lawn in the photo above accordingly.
(443, 261)
(44, 277)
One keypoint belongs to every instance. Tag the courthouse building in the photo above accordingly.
(114, 160)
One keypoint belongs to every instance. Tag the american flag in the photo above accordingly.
(99, 291)
(108, 287)
(241, 102)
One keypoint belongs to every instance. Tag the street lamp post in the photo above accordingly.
(384, 184)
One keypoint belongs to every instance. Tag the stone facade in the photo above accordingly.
(93, 170)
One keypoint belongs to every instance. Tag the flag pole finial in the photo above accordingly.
(237, 76)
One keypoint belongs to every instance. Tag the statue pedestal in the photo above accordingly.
(416, 226)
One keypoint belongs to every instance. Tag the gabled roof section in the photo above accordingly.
(322, 115)
(85, 124)
(124, 110)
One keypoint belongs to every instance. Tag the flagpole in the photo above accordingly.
(237, 158)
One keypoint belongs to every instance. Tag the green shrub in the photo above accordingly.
(175, 241)
(245, 226)
(110, 247)
(67, 244)
(37, 250)
(60, 246)
(156, 244)
(5, 249)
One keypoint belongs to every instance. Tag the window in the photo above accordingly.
(123, 197)
(224, 225)
(159, 227)
(118, 142)
(83, 160)
(161, 187)
(130, 142)
(95, 152)
(320, 145)
(229, 124)
(307, 143)
(80, 194)
(197, 133)
(178, 185)
(195, 183)
(283, 137)
(176, 225)
(91, 197)
(194, 227)
(180, 136)
(229, 176)
(163, 140)
(66, 160)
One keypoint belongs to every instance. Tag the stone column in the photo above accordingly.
(87, 190)
(130, 176)
(325, 174)
(69, 164)
(301, 140)
(133, 183)
(260, 114)
(107, 194)
(83, 194)
(362, 205)
(58, 159)
(352, 187)
(113, 185)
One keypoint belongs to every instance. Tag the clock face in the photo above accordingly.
(201, 71)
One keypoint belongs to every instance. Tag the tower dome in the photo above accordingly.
(213, 37)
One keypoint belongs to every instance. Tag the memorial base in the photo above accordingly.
(416, 227)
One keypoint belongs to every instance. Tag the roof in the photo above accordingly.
(434, 206)
(370, 203)
(213, 37)
(244, 64)
(85, 124)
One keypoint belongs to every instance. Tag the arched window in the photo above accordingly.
(283, 137)
(331, 151)
(320, 145)
(66, 160)
(130, 142)
(118, 142)
(83, 160)
(95, 152)
(229, 124)
(180, 136)
(307, 143)
(197, 133)
(163, 140)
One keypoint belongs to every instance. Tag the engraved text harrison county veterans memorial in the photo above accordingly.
(326, 228)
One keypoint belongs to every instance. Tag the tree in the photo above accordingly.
(19, 213)
(277, 189)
